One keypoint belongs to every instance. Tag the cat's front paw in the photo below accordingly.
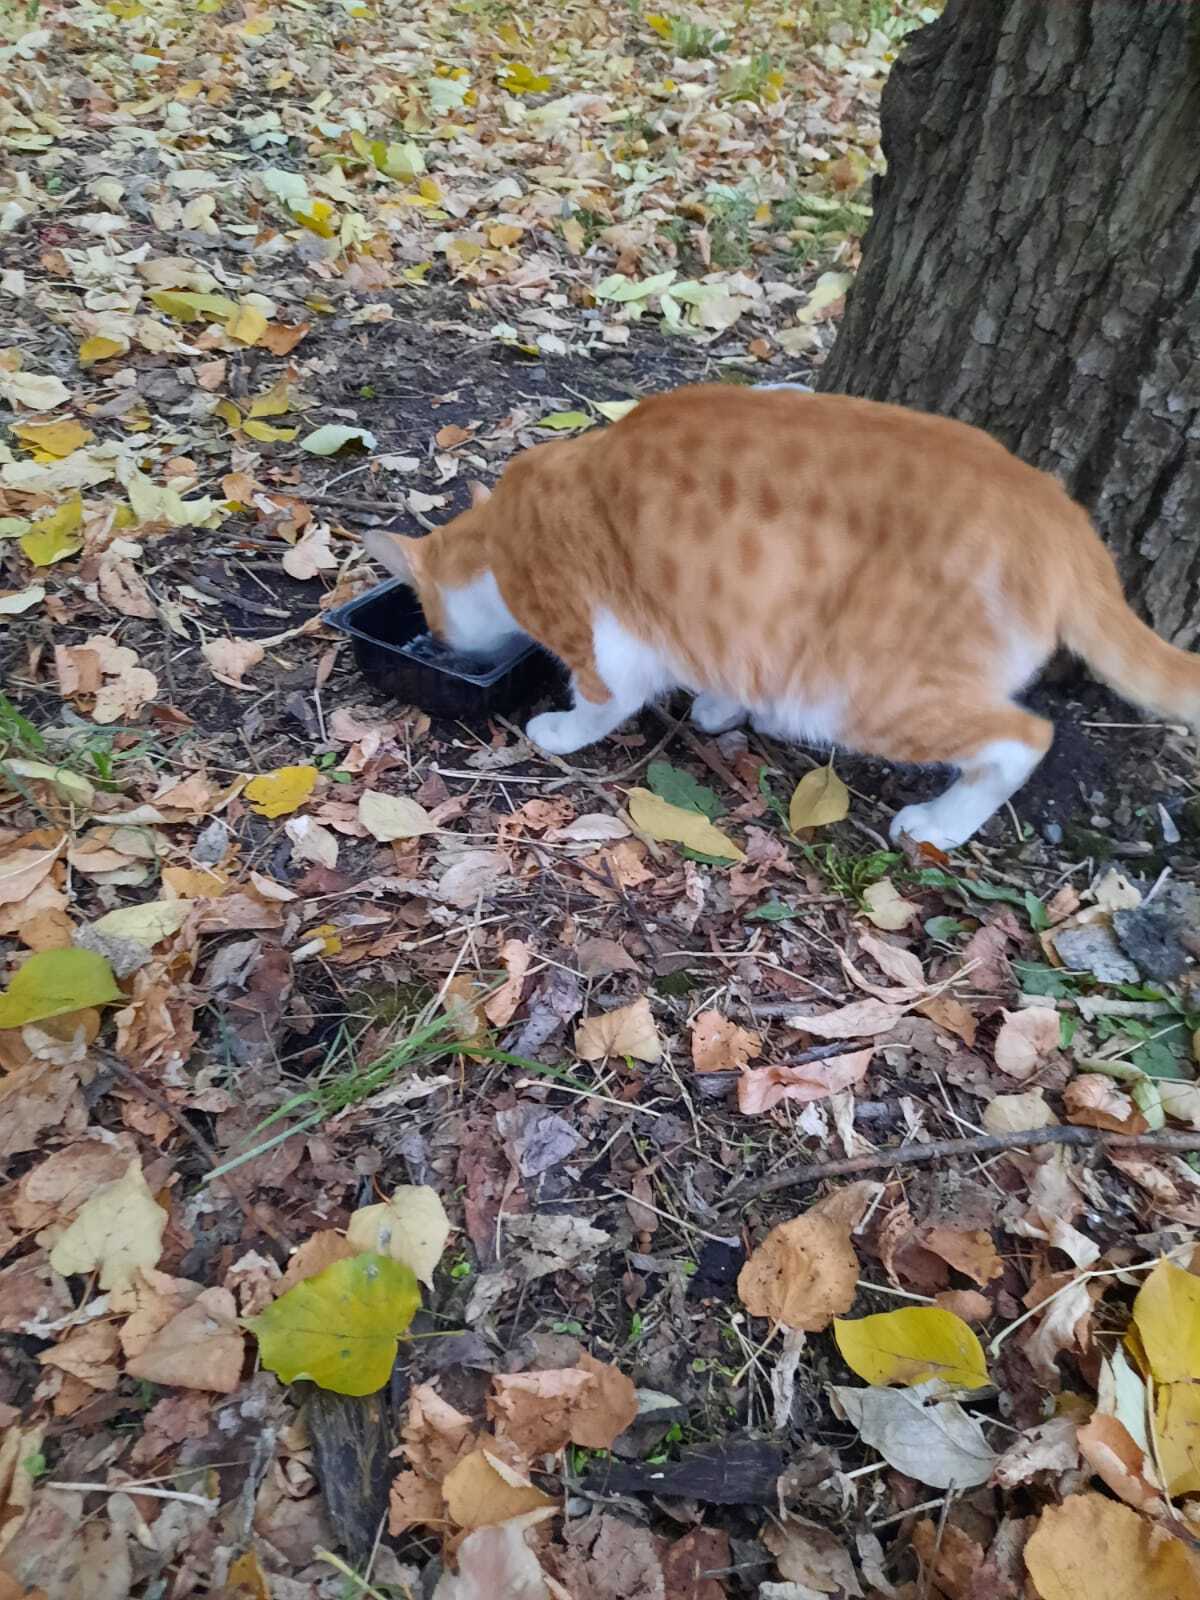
(924, 825)
(559, 732)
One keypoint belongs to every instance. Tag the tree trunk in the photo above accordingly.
(1033, 265)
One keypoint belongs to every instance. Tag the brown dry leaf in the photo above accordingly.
(762, 1088)
(89, 1354)
(231, 659)
(436, 1436)
(317, 1252)
(1026, 1039)
(812, 1557)
(607, 1407)
(627, 1031)
(968, 1304)
(1093, 1548)
(201, 1348)
(55, 1189)
(148, 1304)
(969, 1251)
(22, 870)
(516, 955)
(802, 1275)
(414, 1502)
(1119, 1461)
(1095, 1102)
(18, 1448)
(1050, 1447)
(1065, 1324)
(532, 1410)
(859, 1020)
(902, 966)
(952, 1557)
(496, 1563)
(719, 1045)
(483, 1490)
(950, 1014)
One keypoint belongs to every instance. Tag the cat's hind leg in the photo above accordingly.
(630, 669)
(717, 713)
(995, 753)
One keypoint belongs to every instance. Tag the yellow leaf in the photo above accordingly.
(520, 79)
(626, 1031)
(482, 1490)
(911, 1345)
(503, 233)
(257, 27)
(660, 24)
(317, 218)
(268, 432)
(565, 421)
(1094, 1548)
(818, 799)
(56, 536)
(802, 1275)
(57, 439)
(190, 305)
(886, 907)
(341, 1328)
(54, 982)
(661, 820)
(147, 923)
(574, 236)
(118, 1230)
(273, 402)
(1178, 1436)
(278, 793)
(247, 325)
(411, 1227)
(99, 348)
(1166, 1314)
(393, 816)
(228, 412)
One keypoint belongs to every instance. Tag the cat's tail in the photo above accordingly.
(1099, 625)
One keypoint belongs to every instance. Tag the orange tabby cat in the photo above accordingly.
(841, 571)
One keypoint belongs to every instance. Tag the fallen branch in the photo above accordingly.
(905, 1155)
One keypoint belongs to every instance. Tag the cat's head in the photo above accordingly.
(449, 572)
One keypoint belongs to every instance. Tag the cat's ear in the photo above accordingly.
(479, 493)
(392, 551)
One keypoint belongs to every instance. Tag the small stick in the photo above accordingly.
(982, 1144)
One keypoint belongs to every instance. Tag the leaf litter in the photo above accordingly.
(347, 1048)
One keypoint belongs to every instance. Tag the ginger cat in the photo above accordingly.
(842, 572)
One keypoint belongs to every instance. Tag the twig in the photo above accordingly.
(181, 1495)
(911, 1154)
(702, 753)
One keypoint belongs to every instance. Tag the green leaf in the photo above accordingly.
(944, 928)
(565, 421)
(328, 440)
(910, 1346)
(1034, 977)
(1038, 920)
(55, 982)
(681, 789)
(341, 1328)
(772, 911)
(190, 305)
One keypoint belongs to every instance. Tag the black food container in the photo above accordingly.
(394, 651)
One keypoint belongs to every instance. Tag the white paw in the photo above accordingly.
(926, 825)
(714, 713)
(559, 732)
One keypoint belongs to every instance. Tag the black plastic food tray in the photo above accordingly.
(384, 625)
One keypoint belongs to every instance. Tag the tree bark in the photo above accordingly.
(1033, 264)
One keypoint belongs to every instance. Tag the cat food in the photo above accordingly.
(395, 651)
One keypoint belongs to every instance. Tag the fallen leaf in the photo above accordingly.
(1177, 1436)
(911, 1346)
(803, 1274)
(1094, 1101)
(55, 438)
(812, 1557)
(117, 1231)
(1093, 1548)
(312, 842)
(607, 1407)
(276, 794)
(1026, 1039)
(817, 800)
(1166, 1314)
(495, 1562)
(931, 1439)
(23, 869)
(886, 907)
(483, 1490)
(719, 1045)
(334, 436)
(247, 325)
(340, 1328)
(762, 1088)
(500, 1007)
(200, 1348)
(860, 1019)
(147, 923)
(971, 1251)
(1018, 1113)
(35, 391)
(950, 1014)
(672, 824)
(54, 982)
(627, 1031)
(900, 965)
(411, 1227)
(231, 659)
(393, 816)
